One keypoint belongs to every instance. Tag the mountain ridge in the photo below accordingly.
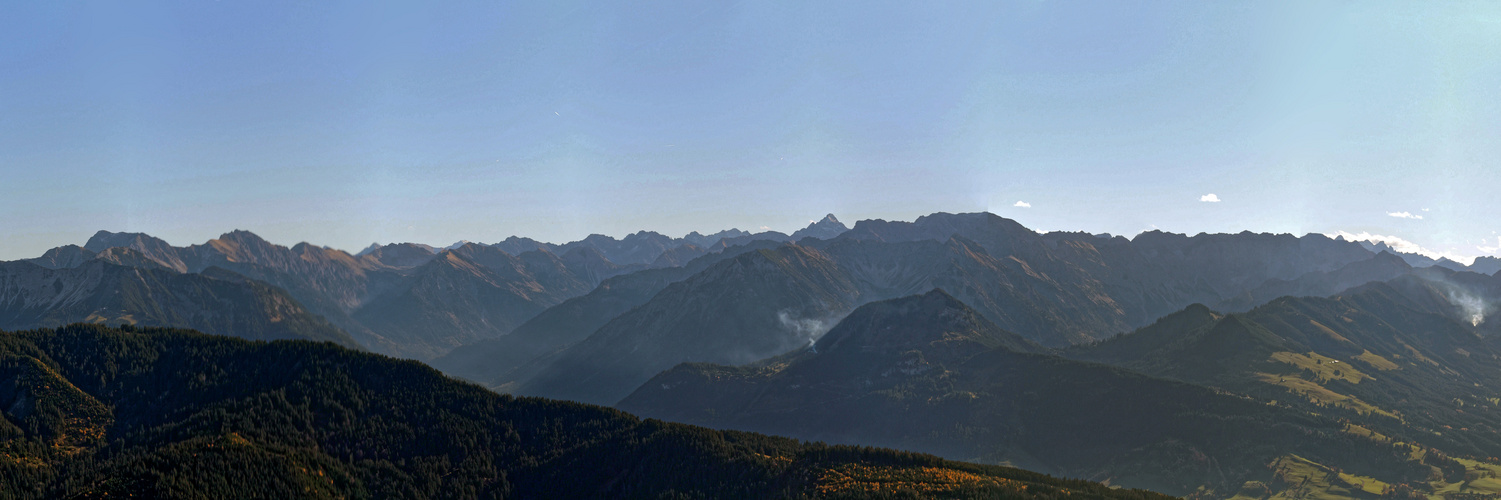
(170, 414)
(947, 390)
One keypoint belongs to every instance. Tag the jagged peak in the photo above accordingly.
(596, 239)
(471, 248)
(940, 226)
(103, 240)
(242, 236)
(1390, 258)
(414, 246)
(645, 234)
(581, 252)
(53, 256)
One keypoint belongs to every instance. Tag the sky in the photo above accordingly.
(346, 123)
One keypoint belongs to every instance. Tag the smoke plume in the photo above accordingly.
(805, 331)
(1473, 306)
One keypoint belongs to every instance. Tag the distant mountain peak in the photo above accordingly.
(104, 240)
(238, 233)
(243, 237)
(1388, 257)
(827, 228)
(403, 254)
(151, 247)
(66, 256)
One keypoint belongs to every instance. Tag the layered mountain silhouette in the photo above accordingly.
(1055, 289)
(650, 249)
(1398, 357)
(1382, 267)
(757, 304)
(502, 361)
(1079, 287)
(1484, 264)
(1212, 365)
(101, 291)
(96, 412)
(412, 300)
(929, 373)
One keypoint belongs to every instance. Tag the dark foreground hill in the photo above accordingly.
(94, 412)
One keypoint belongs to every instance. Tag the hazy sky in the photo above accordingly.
(343, 124)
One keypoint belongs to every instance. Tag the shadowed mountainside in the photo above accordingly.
(928, 373)
(1055, 289)
(1397, 357)
(96, 412)
(97, 291)
(414, 300)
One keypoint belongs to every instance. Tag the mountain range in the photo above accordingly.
(406, 300)
(1055, 289)
(1214, 365)
(929, 373)
(104, 291)
(94, 412)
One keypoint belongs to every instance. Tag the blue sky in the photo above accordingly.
(346, 123)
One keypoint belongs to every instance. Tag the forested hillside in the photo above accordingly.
(94, 412)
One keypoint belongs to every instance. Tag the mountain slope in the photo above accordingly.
(752, 306)
(401, 255)
(1393, 357)
(1078, 287)
(466, 294)
(492, 361)
(217, 301)
(64, 257)
(94, 412)
(1382, 267)
(1056, 289)
(151, 247)
(393, 299)
(824, 229)
(928, 373)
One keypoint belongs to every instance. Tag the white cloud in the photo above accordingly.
(1022, 204)
(1490, 249)
(1209, 198)
(1404, 215)
(1405, 246)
